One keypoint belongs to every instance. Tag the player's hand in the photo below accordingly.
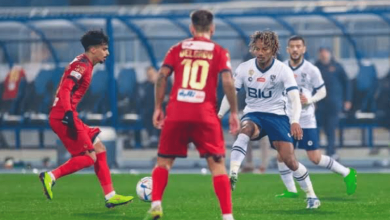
(347, 105)
(68, 119)
(304, 99)
(220, 116)
(234, 123)
(296, 131)
(158, 118)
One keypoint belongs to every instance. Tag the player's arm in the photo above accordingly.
(293, 95)
(230, 94)
(64, 94)
(319, 86)
(159, 89)
(225, 106)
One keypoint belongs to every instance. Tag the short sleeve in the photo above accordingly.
(77, 71)
(224, 64)
(289, 80)
(169, 60)
(317, 80)
(237, 78)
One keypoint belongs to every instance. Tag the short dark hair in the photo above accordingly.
(202, 20)
(296, 37)
(269, 38)
(93, 38)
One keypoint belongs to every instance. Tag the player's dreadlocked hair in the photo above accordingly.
(202, 20)
(269, 38)
(93, 38)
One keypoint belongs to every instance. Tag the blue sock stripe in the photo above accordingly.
(238, 147)
(284, 172)
(303, 177)
(239, 150)
(330, 164)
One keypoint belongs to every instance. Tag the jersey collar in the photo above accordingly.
(295, 68)
(266, 69)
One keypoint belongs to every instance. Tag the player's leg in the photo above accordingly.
(173, 143)
(103, 174)
(300, 173)
(265, 147)
(287, 177)
(82, 152)
(221, 185)
(160, 180)
(329, 163)
(248, 130)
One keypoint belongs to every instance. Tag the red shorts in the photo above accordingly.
(76, 140)
(176, 135)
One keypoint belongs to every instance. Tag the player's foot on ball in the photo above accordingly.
(351, 181)
(313, 203)
(47, 183)
(118, 200)
(154, 213)
(233, 180)
(287, 194)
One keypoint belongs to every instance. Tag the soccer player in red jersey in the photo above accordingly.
(191, 112)
(79, 139)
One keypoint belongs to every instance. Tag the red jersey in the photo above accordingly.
(196, 64)
(73, 86)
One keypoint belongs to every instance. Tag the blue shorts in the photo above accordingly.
(309, 140)
(277, 127)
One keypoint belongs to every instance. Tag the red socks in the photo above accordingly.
(222, 189)
(103, 172)
(160, 180)
(74, 164)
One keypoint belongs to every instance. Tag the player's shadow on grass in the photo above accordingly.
(338, 199)
(318, 212)
(114, 214)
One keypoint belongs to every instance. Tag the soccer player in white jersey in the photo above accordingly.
(309, 81)
(268, 82)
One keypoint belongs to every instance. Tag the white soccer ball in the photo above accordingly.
(144, 189)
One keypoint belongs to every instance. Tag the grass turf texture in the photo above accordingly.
(192, 197)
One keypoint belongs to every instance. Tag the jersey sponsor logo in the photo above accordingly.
(257, 93)
(75, 74)
(261, 79)
(192, 96)
(198, 45)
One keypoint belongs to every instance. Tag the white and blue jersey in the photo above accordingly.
(309, 79)
(265, 89)
(266, 97)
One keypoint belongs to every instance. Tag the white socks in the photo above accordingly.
(287, 177)
(301, 175)
(238, 152)
(227, 217)
(156, 203)
(333, 165)
(110, 195)
(52, 176)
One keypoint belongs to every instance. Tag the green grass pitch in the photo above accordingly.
(192, 197)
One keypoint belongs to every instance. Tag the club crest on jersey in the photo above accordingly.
(251, 72)
(192, 96)
(273, 77)
(303, 77)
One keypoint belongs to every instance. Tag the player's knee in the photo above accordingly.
(291, 163)
(248, 129)
(315, 160)
(93, 156)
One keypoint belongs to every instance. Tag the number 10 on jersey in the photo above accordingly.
(190, 73)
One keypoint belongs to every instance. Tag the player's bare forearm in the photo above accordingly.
(230, 90)
(160, 86)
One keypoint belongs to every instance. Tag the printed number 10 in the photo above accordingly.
(190, 73)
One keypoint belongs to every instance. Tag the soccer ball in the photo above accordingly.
(144, 189)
